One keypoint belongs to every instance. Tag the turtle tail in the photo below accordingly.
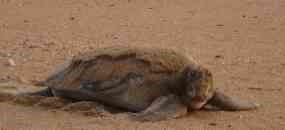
(220, 101)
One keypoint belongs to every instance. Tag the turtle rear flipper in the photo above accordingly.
(16, 88)
(165, 107)
(221, 101)
(45, 92)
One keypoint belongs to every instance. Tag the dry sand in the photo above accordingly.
(241, 42)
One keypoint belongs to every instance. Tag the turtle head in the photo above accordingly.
(198, 83)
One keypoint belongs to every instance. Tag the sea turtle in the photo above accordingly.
(150, 82)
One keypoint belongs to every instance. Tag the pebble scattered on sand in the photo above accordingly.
(229, 126)
(11, 62)
(218, 56)
(240, 116)
(212, 124)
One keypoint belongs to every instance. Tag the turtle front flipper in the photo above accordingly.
(220, 101)
(165, 107)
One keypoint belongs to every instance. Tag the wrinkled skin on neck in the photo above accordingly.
(198, 83)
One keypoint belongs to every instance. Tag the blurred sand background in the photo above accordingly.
(241, 42)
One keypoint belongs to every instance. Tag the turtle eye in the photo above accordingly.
(193, 75)
(191, 92)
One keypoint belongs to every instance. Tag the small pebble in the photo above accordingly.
(212, 124)
(240, 116)
(11, 62)
(72, 18)
(26, 21)
(111, 5)
(115, 37)
(255, 88)
(8, 54)
(6, 77)
(218, 56)
(273, 29)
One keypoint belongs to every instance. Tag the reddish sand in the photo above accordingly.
(241, 42)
